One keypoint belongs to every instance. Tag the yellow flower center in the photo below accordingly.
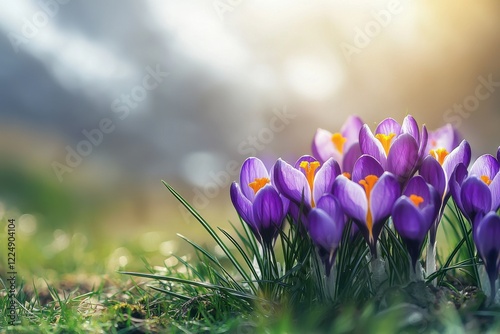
(486, 179)
(368, 183)
(346, 174)
(310, 169)
(417, 200)
(385, 140)
(258, 183)
(339, 141)
(439, 154)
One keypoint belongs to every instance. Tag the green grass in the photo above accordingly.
(244, 289)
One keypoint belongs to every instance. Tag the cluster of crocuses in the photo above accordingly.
(397, 171)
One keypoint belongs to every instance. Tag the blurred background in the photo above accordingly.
(101, 101)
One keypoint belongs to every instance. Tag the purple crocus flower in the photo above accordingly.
(437, 169)
(477, 192)
(307, 181)
(486, 236)
(258, 202)
(414, 213)
(326, 225)
(399, 148)
(446, 137)
(368, 198)
(342, 146)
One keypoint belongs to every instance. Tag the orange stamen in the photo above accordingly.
(385, 140)
(439, 154)
(339, 141)
(258, 183)
(368, 183)
(486, 179)
(417, 200)
(310, 170)
(346, 174)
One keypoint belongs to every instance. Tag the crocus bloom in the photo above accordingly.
(258, 202)
(437, 169)
(307, 181)
(414, 213)
(477, 192)
(486, 236)
(367, 198)
(326, 224)
(342, 146)
(445, 137)
(399, 148)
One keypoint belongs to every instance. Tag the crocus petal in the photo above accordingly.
(403, 156)
(461, 154)
(434, 213)
(364, 166)
(332, 207)
(431, 210)
(498, 154)
(324, 230)
(268, 212)
(408, 220)
(422, 145)
(291, 183)
(384, 193)
(446, 137)
(351, 197)
(475, 197)
(243, 206)
(433, 174)
(387, 126)
(495, 193)
(371, 145)
(326, 233)
(486, 236)
(430, 206)
(251, 169)
(411, 226)
(455, 185)
(350, 129)
(323, 148)
(350, 157)
(485, 165)
(418, 186)
(410, 126)
(325, 176)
